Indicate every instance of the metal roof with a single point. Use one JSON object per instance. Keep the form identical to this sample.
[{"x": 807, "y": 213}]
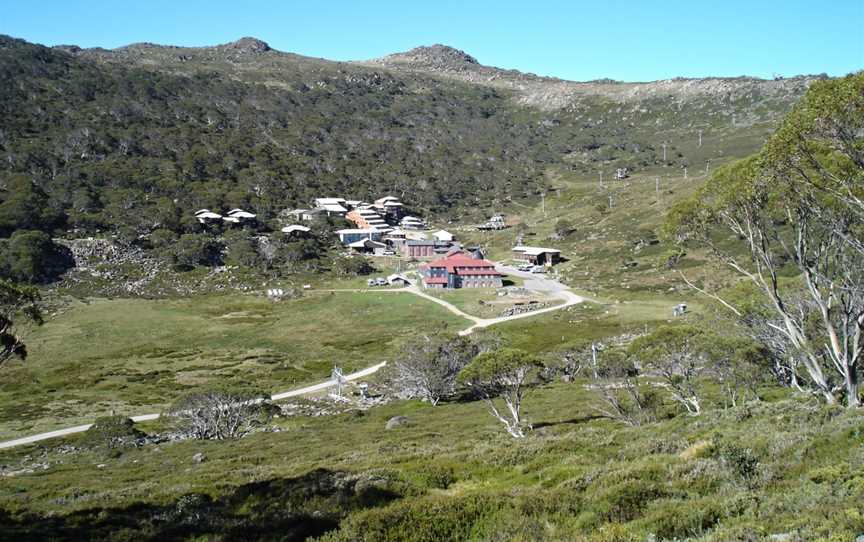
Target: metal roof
[{"x": 535, "y": 251}]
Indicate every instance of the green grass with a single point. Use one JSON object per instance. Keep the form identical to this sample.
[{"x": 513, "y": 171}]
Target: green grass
[
  {"x": 485, "y": 302},
  {"x": 135, "y": 356},
  {"x": 453, "y": 470},
  {"x": 612, "y": 252}
]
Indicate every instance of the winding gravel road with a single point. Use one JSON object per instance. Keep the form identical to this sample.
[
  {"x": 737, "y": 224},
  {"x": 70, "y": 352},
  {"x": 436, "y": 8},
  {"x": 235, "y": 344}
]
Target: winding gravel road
[{"x": 537, "y": 283}]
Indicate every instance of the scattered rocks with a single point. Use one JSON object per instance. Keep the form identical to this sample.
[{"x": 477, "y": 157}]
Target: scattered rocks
[
  {"x": 396, "y": 421},
  {"x": 522, "y": 309},
  {"x": 199, "y": 458},
  {"x": 110, "y": 264},
  {"x": 515, "y": 291},
  {"x": 328, "y": 406}
]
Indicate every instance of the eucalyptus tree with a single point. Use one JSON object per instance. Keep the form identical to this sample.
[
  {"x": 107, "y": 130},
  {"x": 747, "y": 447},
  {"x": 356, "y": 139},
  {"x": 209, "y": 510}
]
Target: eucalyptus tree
[
  {"x": 796, "y": 208},
  {"x": 504, "y": 374},
  {"x": 677, "y": 356},
  {"x": 427, "y": 367},
  {"x": 15, "y": 302}
]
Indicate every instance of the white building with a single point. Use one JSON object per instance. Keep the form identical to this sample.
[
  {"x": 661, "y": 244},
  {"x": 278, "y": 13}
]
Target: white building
[
  {"x": 295, "y": 229},
  {"x": 442, "y": 235},
  {"x": 332, "y": 206},
  {"x": 206, "y": 215},
  {"x": 412, "y": 223},
  {"x": 241, "y": 214},
  {"x": 348, "y": 236}
]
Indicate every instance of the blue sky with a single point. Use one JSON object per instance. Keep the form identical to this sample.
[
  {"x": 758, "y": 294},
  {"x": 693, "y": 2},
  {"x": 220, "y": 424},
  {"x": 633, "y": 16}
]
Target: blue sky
[{"x": 622, "y": 39}]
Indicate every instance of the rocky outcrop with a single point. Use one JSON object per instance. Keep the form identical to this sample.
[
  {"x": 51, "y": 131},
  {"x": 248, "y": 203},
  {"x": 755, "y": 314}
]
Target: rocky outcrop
[
  {"x": 396, "y": 421},
  {"x": 435, "y": 57},
  {"x": 246, "y": 45},
  {"x": 122, "y": 270}
]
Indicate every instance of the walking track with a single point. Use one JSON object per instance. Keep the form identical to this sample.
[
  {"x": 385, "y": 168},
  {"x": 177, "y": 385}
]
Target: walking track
[{"x": 532, "y": 282}]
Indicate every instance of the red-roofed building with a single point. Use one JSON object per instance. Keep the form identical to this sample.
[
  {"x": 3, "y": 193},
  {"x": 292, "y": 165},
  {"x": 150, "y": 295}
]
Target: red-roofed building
[{"x": 459, "y": 270}]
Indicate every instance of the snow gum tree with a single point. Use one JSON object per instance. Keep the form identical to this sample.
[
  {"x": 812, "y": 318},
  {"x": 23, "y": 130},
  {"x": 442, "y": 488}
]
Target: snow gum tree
[
  {"x": 798, "y": 206},
  {"x": 502, "y": 375}
]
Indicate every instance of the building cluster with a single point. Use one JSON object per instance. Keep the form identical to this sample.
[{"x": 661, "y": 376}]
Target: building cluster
[
  {"x": 371, "y": 221},
  {"x": 383, "y": 228},
  {"x": 412, "y": 245}
]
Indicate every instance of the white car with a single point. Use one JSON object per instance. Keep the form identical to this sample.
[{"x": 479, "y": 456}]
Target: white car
[{"x": 538, "y": 269}]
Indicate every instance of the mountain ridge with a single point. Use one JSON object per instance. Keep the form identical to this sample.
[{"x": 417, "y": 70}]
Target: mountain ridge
[
  {"x": 443, "y": 61},
  {"x": 432, "y": 55}
]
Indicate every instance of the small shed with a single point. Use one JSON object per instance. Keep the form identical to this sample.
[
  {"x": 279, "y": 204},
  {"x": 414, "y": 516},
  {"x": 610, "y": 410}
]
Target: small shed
[
  {"x": 367, "y": 246},
  {"x": 537, "y": 255},
  {"x": 397, "y": 279},
  {"x": 296, "y": 230},
  {"x": 304, "y": 215}
]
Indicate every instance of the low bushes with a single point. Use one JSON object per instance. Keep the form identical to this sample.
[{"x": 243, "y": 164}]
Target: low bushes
[{"x": 112, "y": 432}]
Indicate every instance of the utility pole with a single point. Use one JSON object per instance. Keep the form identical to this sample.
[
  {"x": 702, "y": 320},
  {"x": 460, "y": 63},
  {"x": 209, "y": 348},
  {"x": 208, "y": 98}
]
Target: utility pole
[
  {"x": 657, "y": 188},
  {"x": 338, "y": 380},
  {"x": 594, "y": 350},
  {"x": 685, "y": 173},
  {"x": 610, "y": 200},
  {"x": 543, "y": 199},
  {"x": 700, "y": 138},
  {"x": 707, "y": 165},
  {"x": 601, "y": 178},
  {"x": 664, "y": 151}
]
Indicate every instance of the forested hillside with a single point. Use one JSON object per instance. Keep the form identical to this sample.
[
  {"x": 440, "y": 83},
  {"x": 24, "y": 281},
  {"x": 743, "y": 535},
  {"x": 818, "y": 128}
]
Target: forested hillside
[
  {"x": 129, "y": 143},
  {"x": 118, "y": 146}
]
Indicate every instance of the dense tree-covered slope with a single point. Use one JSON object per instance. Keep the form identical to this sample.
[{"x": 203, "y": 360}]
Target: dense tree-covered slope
[
  {"x": 141, "y": 136},
  {"x": 114, "y": 145}
]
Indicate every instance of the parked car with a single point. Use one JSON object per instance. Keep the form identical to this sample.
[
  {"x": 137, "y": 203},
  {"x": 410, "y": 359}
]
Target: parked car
[
  {"x": 381, "y": 281},
  {"x": 525, "y": 267},
  {"x": 371, "y": 282},
  {"x": 538, "y": 269}
]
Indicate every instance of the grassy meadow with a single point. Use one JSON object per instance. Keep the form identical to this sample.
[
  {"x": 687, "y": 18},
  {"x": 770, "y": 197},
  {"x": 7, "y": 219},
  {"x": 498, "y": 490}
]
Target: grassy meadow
[{"x": 134, "y": 356}]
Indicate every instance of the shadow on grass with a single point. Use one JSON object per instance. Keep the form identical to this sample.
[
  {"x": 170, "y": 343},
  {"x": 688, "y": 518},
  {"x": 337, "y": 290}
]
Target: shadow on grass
[
  {"x": 281, "y": 509},
  {"x": 574, "y": 421}
]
